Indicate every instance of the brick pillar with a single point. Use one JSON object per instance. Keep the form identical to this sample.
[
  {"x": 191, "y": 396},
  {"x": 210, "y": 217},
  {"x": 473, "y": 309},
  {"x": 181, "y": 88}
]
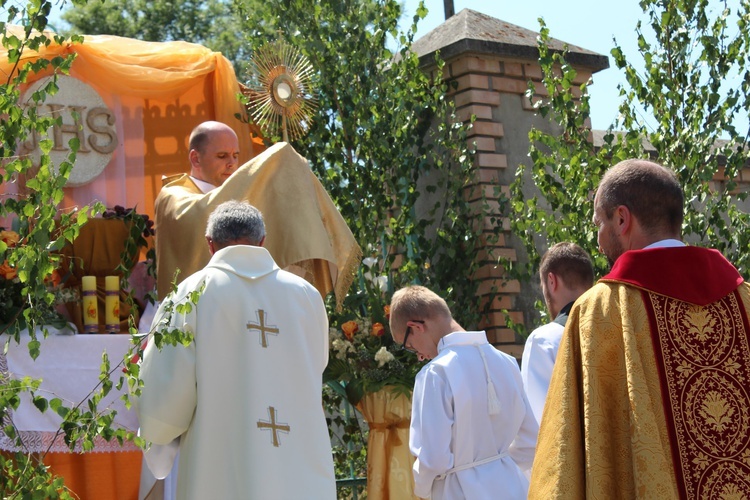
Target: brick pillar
[
  {"x": 493, "y": 89},
  {"x": 491, "y": 63}
]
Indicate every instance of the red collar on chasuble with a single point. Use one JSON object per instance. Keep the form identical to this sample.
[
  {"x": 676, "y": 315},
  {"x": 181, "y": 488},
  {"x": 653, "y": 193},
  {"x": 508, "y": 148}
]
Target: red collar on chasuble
[
  {"x": 699, "y": 332},
  {"x": 692, "y": 274}
]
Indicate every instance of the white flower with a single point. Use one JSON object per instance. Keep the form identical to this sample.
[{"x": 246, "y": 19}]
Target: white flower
[
  {"x": 362, "y": 325},
  {"x": 333, "y": 334},
  {"x": 383, "y": 356},
  {"x": 369, "y": 261},
  {"x": 381, "y": 282},
  {"x": 341, "y": 347}
]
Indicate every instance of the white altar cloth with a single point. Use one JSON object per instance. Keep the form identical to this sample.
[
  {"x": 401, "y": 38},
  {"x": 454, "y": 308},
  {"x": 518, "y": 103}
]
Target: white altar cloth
[{"x": 69, "y": 367}]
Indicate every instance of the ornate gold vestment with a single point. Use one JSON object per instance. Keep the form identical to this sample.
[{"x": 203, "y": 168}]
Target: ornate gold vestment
[
  {"x": 649, "y": 394},
  {"x": 303, "y": 227}
]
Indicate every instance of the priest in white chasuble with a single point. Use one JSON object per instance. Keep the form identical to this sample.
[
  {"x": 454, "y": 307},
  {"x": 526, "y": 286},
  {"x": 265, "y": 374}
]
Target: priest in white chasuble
[
  {"x": 245, "y": 396},
  {"x": 648, "y": 397},
  {"x": 306, "y": 233}
]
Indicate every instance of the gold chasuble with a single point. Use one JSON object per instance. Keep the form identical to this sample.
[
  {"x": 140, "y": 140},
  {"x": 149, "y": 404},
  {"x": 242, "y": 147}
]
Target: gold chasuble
[
  {"x": 650, "y": 395},
  {"x": 305, "y": 233}
]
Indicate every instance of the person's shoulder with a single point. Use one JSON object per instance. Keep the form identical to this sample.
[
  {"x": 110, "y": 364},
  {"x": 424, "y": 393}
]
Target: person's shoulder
[
  {"x": 601, "y": 291},
  {"x": 175, "y": 186},
  {"x": 545, "y": 331},
  {"x": 293, "y": 279},
  {"x": 507, "y": 358},
  {"x": 178, "y": 182},
  {"x": 193, "y": 283},
  {"x": 166, "y": 180},
  {"x": 295, "y": 283}
]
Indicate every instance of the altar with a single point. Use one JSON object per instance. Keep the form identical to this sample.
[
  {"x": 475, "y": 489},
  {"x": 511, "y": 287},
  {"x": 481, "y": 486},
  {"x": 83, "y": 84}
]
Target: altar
[
  {"x": 132, "y": 105},
  {"x": 68, "y": 365}
]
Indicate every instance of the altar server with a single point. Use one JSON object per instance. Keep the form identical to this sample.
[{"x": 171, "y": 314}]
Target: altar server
[{"x": 472, "y": 429}]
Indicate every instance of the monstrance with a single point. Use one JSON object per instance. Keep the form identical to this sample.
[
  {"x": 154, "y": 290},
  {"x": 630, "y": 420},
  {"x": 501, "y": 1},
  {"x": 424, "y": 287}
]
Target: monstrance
[{"x": 280, "y": 93}]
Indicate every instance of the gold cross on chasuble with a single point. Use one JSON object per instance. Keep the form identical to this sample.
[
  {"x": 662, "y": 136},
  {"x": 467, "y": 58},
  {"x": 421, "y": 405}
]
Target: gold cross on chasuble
[
  {"x": 264, "y": 330},
  {"x": 273, "y": 426}
]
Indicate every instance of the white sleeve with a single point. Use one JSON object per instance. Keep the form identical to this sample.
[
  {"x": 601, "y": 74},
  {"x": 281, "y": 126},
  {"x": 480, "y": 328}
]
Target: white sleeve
[
  {"x": 537, "y": 363},
  {"x": 160, "y": 458},
  {"x": 523, "y": 447},
  {"x": 430, "y": 433},
  {"x": 169, "y": 394}
]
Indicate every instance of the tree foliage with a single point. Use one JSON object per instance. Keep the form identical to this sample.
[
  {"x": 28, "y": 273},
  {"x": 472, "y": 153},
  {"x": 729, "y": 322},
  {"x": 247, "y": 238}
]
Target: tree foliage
[
  {"x": 210, "y": 23},
  {"x": 391, "y": 154},
  {"x": 43, "y": 228},
  {"x": 693, "y": 86},
  {"x": 384, "y": 141}
]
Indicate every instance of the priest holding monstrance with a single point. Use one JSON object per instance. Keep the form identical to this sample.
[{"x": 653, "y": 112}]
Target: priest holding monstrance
[{"x": 304, "y": 234}]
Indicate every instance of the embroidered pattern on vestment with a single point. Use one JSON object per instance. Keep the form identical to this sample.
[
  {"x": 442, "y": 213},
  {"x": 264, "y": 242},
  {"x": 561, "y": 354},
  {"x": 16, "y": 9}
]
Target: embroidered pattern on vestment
[
  {"x": 273, "y": 426},
  {"x": 704, "y": 365},
  {"x": 264, "y": 329}
]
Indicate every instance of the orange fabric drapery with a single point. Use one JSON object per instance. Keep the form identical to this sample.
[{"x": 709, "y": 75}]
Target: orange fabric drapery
[
  {"x": 96, "y": 476},
  {"x": 159, "y": 91},
  {"x": 389, "y": 462}
]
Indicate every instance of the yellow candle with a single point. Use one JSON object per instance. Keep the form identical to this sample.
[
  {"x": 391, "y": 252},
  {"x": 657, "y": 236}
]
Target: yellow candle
[
  {"x": 112, "y": 303},
  {"x": 90, "y": 305}
]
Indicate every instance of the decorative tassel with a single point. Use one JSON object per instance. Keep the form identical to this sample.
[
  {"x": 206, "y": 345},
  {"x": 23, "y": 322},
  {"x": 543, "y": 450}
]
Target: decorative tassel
[{"x": 493, "y": 405}]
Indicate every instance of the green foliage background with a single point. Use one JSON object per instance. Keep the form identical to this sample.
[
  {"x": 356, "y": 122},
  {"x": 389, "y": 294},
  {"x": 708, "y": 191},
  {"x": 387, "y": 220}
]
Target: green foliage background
[
  {"x": 207, "y": 22},
  {"x": 384, "y": 141},
  {"x": 681, "y": 109}
]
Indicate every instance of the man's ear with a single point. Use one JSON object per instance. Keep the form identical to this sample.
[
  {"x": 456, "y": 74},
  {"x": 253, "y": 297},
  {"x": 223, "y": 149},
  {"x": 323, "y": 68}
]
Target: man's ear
[
  {"x": 194, "y": 157},
  {"x": 262, "y": 240},
  {"x": 552, "y": 282},
  {"x": 210, "y": 245},
  {"x": 623, "y": 219}
]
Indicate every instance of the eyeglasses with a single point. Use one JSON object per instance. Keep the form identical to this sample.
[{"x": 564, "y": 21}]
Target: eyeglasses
[{"x": 406, "y": 336}]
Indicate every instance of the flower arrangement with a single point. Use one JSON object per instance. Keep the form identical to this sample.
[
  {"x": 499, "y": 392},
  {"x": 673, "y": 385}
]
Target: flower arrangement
[
  {"x": 141, "y": 227},
  {"x": 363, "y": 357},
  {"x": 11, "y": 298}
]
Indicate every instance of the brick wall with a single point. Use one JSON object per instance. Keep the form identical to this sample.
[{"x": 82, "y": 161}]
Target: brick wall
[{"x": 482, "y": 85}]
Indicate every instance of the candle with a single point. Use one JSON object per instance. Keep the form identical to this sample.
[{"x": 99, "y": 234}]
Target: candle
[
  {"x": 90, "y": 305},
  {"x": 112, "y": 303}
]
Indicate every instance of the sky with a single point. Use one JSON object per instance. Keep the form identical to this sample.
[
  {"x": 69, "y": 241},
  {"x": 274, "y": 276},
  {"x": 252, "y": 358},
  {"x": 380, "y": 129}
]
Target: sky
[{"x": 590, "y": 24}]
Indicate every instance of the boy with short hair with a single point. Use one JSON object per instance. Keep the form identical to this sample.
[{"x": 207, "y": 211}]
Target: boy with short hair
[{"x": 472, "y": 428}]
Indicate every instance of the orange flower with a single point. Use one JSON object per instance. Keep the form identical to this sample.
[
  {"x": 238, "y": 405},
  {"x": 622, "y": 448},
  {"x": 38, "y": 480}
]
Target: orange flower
[
  {"x": 387, "y": 311},
  {"x": 377, "y": 330},
  {"x": 10, "y": 238},
  {"x": 54, "y": 279},
  {"x": 350, "y": 328},
  {"x": 8, "y": 272}
]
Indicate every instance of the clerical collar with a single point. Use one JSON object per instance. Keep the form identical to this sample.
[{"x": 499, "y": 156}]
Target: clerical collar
[
  {"x": 204, "y": 186},
  {"x": 668, "y": 243},
  {"x": 562, "y": 316}
]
